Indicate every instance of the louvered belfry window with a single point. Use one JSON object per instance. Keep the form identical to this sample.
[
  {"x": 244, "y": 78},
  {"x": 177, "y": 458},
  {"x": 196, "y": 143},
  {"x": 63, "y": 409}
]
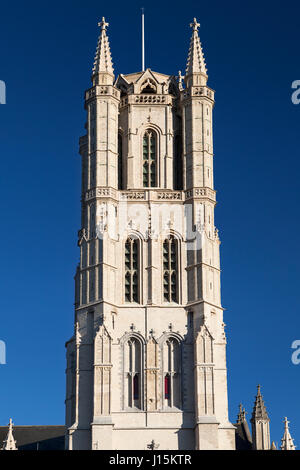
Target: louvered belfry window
[
  {"x": 149, "y": 159},
  {"x": 131, "y": 270},
  {"x": 170, "y": 266}
]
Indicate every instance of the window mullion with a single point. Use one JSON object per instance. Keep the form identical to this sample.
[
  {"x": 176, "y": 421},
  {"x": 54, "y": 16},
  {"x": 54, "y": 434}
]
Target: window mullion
[{"x": 170, "y": 270}]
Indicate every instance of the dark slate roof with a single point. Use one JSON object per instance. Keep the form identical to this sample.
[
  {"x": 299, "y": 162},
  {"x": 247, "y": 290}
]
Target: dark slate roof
[
  {"x": 36, "y": 437},
  {"x": 243, "y": 440}
]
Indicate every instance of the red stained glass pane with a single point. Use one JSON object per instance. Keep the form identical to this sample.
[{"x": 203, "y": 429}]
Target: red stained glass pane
[
  {"x": 167, "y": 386},
  {"x": 136, "y": 387}
]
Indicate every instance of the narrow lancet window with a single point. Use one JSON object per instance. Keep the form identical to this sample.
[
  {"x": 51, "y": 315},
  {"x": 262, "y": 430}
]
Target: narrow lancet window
[
  {"x": 136, "y": 394},
  {"x": 133, "y": 373},
  {"x": 167, "y": 386},
  {"x": 132, "y": 270},
  {"x": 120, "y": 162},
  {"x": 172, "y": 368},
  {"x": 170, "y": 269},
  {"x": 177, "y": 167},
  {"x": 149, "y": 159}
]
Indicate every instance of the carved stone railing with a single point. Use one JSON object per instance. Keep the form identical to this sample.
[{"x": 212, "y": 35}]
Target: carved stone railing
[
  {"x": 133, "y": 195},
  {"x": 99, "y": 90},
  {"x": 200, "y": 193},
  {"x": 149, "y": 194},
  {"x": 100, "y": 192},
  {"x": 151, "y": 98},
  {"x": 170, "y": 195},
  {"x": 198, "y": 91}
]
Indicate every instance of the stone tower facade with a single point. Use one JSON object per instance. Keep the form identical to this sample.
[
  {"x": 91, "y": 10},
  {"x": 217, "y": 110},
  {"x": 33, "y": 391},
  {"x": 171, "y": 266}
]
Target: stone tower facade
[{"x": 146, "y": 367}]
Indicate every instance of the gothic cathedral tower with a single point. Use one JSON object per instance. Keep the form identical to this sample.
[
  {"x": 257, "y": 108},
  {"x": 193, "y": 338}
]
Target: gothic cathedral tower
[{"x": 146, "y": 367}]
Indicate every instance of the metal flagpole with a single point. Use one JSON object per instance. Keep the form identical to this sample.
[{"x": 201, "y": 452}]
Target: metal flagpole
[{"x": 143, "y": 40}]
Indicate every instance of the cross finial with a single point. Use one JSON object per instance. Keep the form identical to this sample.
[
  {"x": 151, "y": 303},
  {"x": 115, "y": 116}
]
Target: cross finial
[
  {"x": 286, "y": 423},
  {"x": 195, "y": 25},
  {"x": 103, "y": 25}
]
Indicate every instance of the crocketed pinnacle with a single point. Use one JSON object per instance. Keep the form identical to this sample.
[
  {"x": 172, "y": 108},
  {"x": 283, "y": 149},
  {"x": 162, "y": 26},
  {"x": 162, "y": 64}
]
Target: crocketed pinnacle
[
  {"x": 103, "y": 60},
  {"x": 287, "y": 443},
  {"x": 196, "y": 61},
  {"x": 259, "y": 410},
  {"x": 10, "y": 443},
  {"x": 241, "y": 417}
]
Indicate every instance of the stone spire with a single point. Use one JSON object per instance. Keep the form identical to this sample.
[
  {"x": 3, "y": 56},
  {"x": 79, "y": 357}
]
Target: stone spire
[
  {"x": 103, "y": 62},
  {"x": 287, "y": 443},
  {"x": 259, "y": 409},
  {"x": 195, "y": 61},
  {"x": 10, "y": 443}
]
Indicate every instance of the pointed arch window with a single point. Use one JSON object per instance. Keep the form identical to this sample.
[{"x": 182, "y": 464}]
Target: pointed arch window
[
  {"x": 170, "y": 269},
  {"x": 172, "y": 373},
  {"x": 132, "y": 270},
  {"x": 120, "y": 162},
  {"x": 149, "y": 159},
  {"x": 133, "y": 373}
]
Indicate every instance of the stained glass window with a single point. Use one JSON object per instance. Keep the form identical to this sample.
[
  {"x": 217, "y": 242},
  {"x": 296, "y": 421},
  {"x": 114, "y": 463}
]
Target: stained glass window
[{"x": 149, "y": 159}]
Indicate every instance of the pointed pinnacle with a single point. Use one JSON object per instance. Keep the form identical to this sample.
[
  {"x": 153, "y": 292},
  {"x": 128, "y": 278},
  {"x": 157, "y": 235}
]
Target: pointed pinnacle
[
  {"x": 259, "y": 409},
  {"x": 103, "y": 60},
  {"x": 241, "y": 415},
  {"x": 10, "y": 443},
  {"x": 196, "y": 61},
  {"x": 287, "y": 442}
]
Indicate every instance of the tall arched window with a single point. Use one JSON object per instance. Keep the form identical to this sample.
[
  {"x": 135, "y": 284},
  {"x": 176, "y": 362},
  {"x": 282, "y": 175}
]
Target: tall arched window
[
  {"x": 170, "y": 270},
  {"x": 133, "y": 373},
  {"x": 149, "y": 159},
  {"x": 120, "y": 162},
  {"x": 172, "y": 373},
  {"x": 132, "y": 270}
]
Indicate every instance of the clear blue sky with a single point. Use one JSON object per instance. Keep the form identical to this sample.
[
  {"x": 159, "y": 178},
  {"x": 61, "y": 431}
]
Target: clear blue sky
[{"x": 252, "y": 54}]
